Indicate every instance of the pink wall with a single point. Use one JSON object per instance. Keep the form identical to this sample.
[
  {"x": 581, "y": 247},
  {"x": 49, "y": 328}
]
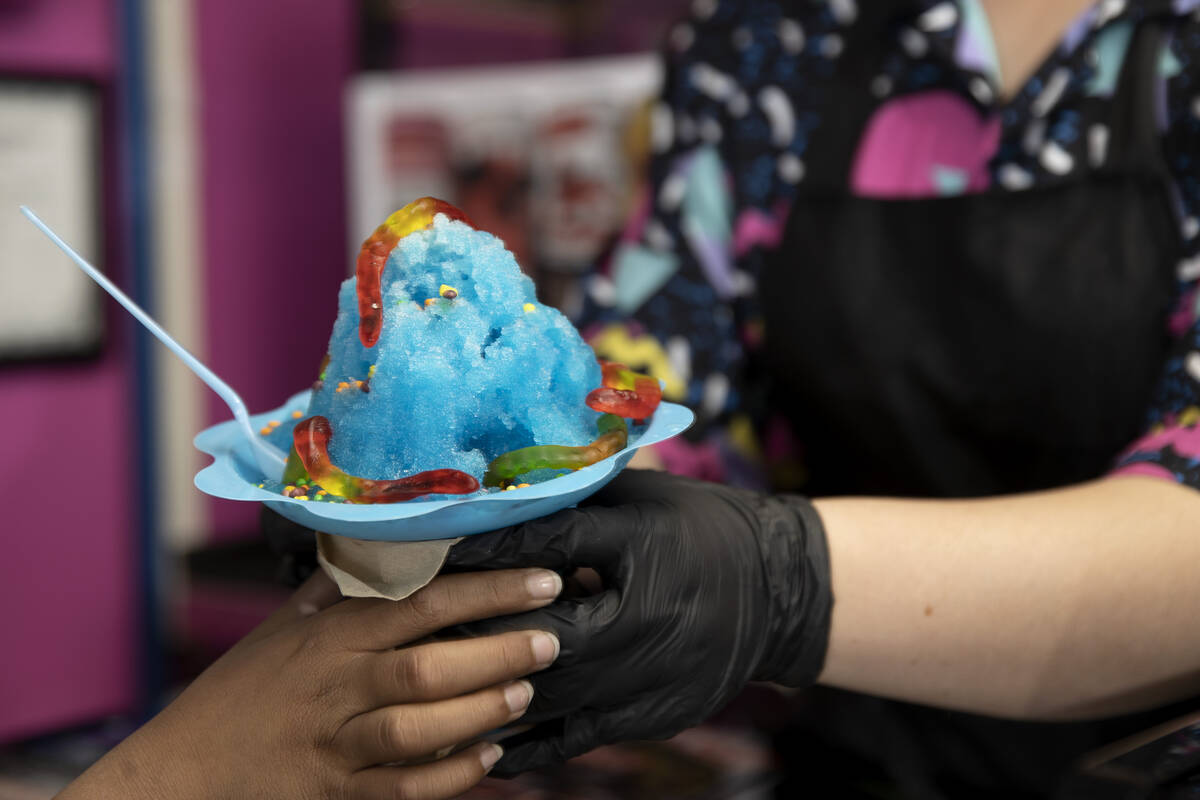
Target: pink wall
[
  {"x": 67, "y": 580},
  {"x": 67, "y": 576},
  {"x": 59, "y": 37},
  {"x": 271, "y": 81}
]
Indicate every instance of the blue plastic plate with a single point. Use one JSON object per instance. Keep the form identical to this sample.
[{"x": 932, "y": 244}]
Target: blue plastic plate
[{"x": 233, "y": 475}]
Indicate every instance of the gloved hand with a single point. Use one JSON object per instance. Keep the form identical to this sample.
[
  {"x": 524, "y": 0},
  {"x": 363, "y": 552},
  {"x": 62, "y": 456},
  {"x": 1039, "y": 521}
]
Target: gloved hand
[{"x": 705, "y": 588}]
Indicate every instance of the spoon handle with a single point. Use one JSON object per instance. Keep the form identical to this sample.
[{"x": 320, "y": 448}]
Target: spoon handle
[{"x": 263, "y": 450}]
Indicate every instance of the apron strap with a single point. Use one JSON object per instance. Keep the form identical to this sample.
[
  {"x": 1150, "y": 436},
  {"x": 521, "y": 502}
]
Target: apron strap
[{"x": 1135, "y": 141}]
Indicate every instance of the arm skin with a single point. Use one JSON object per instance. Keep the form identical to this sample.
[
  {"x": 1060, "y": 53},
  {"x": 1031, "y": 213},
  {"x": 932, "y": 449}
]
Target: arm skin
[{"x": 1068, "y": 604}]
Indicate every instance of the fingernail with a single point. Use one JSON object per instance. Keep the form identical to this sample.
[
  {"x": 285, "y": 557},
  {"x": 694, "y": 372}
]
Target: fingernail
[
  {"x": 517, "y": 696},
  {"x": 543, "y": 584},
  {"x": 545, "y": 648},
  {"x": 490, "y": 755}
]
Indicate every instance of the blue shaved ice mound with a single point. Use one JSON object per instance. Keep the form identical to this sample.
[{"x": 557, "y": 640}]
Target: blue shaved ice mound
[{"x": 458, "y": 382}]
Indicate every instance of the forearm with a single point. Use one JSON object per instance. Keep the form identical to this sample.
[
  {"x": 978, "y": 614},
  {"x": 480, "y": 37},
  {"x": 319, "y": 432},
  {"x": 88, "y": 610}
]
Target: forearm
[
  {"x": 151, "y": 763},
  {"x": 1056, "y": 605}
]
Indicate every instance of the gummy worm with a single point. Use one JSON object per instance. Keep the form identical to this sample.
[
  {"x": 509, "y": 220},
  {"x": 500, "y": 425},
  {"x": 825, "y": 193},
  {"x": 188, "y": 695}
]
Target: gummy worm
[
  {"x": 612, "y": 439},
  {"x": 625, "y": 393},
  {"x": 311, "y": 440},
  {"x": 372, "y": 258}
]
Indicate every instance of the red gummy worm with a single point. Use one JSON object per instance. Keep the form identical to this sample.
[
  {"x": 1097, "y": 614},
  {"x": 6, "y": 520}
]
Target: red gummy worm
[
  {"x": 433, "y": 481},
  {"x": 625, "y": 393},
  {"x": 368, "y": 270},
  {"x": 311, "y": 438},
  {"x": 372, "y": 258}
]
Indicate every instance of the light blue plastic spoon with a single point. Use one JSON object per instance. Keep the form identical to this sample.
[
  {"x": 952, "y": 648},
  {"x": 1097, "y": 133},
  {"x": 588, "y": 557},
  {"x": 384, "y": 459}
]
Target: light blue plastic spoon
[{"x": 270, "y": 459}]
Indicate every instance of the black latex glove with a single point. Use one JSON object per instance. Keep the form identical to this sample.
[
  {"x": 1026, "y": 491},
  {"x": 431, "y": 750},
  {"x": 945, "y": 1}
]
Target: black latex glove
[
  {"x": 295, "y": 545},
  {"x": 705, "y": 588}
]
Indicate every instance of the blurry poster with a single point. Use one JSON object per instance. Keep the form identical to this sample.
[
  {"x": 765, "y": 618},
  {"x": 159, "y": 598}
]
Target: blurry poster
[
  {"x": 547, "y": 156},
  {"x": 49, "y": 150}
]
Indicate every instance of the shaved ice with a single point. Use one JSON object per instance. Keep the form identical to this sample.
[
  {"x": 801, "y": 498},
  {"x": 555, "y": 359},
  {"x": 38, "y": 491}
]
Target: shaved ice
[{"x": 468, "y": 364}]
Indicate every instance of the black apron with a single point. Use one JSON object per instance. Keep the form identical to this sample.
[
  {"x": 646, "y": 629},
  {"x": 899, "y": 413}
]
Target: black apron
[
  {"x": 968, "y": 346},
  {"x": 980, "y": 344}
]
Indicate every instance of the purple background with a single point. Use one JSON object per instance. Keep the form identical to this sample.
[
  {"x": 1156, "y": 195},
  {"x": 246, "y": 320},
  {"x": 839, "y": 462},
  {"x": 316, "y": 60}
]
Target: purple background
[{"x": 67, "y": 573}]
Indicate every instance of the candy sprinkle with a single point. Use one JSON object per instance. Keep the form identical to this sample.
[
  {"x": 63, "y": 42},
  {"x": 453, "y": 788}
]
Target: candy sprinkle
[
  {"x": 529, "y": 307},
  {"x": 297, "y": 414},
  {"x": 522, "y": 485},
  {"x": 265, "y": 430},
  {"x": 509, "y": 488}
]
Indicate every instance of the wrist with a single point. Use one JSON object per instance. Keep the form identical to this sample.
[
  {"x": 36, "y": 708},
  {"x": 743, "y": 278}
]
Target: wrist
[{"x": 799, "y": 587}]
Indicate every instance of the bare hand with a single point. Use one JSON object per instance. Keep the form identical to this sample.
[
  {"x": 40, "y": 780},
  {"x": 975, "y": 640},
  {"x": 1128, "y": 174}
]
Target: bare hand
[{"x": 317, "y": 702}]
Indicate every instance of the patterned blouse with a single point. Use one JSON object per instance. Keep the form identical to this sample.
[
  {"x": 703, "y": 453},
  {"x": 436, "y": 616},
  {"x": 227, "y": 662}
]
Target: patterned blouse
[{"x": 730, "y": 141}]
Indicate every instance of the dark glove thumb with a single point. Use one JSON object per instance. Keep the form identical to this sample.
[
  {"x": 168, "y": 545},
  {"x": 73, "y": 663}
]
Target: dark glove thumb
[{"x": 588, "y": 537}]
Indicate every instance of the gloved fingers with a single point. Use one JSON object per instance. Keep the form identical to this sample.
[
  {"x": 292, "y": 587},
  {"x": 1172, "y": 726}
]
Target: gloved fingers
[
  {"x": 584, "y": 627},
  {"x": 583, "y": 582},
  {"x": 283, "y": 534},
  {"x": 593, "y": 537},
  {"x": 575, "y": 734},
  {"x": 294, "y": 544},
  {"x": 598, "y": 683}
]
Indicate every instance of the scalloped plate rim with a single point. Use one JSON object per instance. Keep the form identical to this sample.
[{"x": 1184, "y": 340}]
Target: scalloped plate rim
[{"x": 422, "y": 519}]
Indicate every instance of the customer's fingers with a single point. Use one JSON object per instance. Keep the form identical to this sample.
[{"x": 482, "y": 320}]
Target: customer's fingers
[
  {"x": 439, "y": 670},
  {"x": 370, "y": 624},
  {"x": 315, "y": 594},
  {"x": 412, "y": 731},
  {"x": 448, "y": 777}
]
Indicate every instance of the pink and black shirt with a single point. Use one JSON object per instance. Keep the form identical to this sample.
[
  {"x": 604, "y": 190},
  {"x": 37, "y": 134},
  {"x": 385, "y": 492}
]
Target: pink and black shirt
[{"x": 816, "y": 162}]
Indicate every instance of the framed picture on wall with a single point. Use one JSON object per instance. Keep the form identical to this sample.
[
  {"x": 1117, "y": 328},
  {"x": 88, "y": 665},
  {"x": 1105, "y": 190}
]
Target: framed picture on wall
[{"x": 50, "y": 155}]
